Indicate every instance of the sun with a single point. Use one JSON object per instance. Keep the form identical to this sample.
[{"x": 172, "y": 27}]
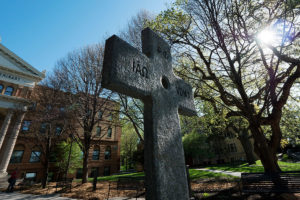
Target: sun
[{"x": 267, "y": 36}]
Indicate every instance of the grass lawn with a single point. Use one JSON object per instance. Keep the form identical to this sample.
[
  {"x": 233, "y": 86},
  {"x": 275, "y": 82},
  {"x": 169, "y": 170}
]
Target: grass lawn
[
  {"x": 197, "y": 174},
  {"x": 285, "y": 166},
  {"x": 194, "y": 174}
]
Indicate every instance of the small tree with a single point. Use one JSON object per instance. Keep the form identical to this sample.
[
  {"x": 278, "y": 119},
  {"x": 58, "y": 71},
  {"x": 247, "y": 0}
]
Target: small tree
[
  {"x": 129, "y": 145},
  {"x": 68, "y": 156},
  {"x": 195, "y": 146}
]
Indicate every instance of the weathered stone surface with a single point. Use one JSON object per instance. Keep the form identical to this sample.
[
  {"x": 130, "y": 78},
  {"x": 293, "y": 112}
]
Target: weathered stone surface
[{"x": 149, "y": 76}]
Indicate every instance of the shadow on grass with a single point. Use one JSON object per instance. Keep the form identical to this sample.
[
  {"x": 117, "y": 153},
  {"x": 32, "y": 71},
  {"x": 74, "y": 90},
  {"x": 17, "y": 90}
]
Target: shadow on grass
[
  {"x": 244, "y": 167},
  {"x": 234, "y": 194}
]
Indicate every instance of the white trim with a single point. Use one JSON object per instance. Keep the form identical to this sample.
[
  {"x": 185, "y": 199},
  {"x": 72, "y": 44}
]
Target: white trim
[{"x": 32, "y": 72}]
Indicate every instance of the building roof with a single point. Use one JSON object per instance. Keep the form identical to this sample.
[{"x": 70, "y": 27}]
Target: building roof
[{"x": 22, "y": 67}]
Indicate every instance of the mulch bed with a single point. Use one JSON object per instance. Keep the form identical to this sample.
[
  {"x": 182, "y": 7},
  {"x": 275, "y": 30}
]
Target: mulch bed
[{"x": 209, "y": 189}]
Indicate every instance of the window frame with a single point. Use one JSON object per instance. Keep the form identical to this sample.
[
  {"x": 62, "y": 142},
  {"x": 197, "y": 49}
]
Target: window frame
[
  {"x": 1, "y": 89},
  {"x": 109, "y": 135},
  {"x": 33, "y": 152},
  {"x": 12, "y": 92},
  {"x": 61, "y": 129},
  {"x": 26, "y": 125},
  {"x": 98, "y": 129},
  {"x": 19, "y": 159},
  {"x": 106, "y": 155},
  {"x": 96, "y": 156}
]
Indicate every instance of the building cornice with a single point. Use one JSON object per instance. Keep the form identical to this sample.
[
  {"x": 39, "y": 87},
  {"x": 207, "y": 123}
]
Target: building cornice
[{"x": 35, "y": 74}]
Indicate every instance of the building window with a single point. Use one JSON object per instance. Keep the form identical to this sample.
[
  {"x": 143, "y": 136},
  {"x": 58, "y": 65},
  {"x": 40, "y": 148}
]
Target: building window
[
  {"x": 48, "y": 107},
  {"x": 1, "y": 88},
  {"x": 110, "y": 117},
  {"x": 30, "y": 175},
  {"x": 26, "y": 125},
  {"x": 43, "y": 127},
  {"x": 96, "y": 153},
  {"x": 109, "y": 131},
  {"x": 98, "y": 131},
  {"x": 107, "y": 154},
  {"x": 94, "y": 171},
  {"x": 106, "y": 171},
  {"x": 16, "y": 156},
  {"x": 9, "y": 91},
  {"x": 100, "y": 114},
  {"x": 35, "y": 156},
  {"x": 58, "y": 130}
]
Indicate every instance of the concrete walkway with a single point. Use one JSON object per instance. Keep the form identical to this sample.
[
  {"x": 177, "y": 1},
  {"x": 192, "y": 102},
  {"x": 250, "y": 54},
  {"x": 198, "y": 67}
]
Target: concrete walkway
[
  {"x": 236, "y": 174},
  {"x": 19, "y": 196}
]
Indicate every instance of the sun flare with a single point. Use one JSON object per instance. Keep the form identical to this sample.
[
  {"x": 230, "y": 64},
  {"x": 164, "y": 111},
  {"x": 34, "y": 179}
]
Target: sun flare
[{"x": 267, "y": 36}]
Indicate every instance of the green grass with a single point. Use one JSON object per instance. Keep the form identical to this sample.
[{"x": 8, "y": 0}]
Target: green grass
[
  {"x": 285, "y": 166},
  {"x": 198, "y": 174},
  {"x": 194, "y": 174},
  {"x": 115, "y": 177}
]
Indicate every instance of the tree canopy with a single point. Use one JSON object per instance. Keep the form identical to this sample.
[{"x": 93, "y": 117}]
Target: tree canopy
[{"x": 222, "y": 48}]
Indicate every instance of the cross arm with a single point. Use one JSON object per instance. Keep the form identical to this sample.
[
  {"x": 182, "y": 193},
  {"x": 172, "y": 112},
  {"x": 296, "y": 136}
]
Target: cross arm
[
  {"x": 125, "y": 69},
  {"x": 185, "y": 97}
]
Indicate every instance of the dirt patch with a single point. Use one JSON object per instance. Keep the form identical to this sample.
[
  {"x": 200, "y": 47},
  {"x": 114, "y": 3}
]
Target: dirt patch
[
  {"x": 81, "y": 191},
  {"x": 202, "y": 189}
]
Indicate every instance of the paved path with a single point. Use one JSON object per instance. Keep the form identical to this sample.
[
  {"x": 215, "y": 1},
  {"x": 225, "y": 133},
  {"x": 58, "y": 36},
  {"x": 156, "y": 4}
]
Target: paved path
[
  {"x": 237, "y": 174},
  {"x": 19, "y": 196}
]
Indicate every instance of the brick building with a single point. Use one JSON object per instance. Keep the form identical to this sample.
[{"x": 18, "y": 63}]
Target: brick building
[{"x": 18, "y": 142}]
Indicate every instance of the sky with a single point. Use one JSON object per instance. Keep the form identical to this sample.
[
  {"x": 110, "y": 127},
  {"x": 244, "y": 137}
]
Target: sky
[{"x": 44, "y": 31}]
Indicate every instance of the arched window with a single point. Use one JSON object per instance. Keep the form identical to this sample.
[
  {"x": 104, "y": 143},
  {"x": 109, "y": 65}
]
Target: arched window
[
  {"x": 96, "y": 153},
  {"x": 17, "y": 154},
  {"x": 107, "y": 153},
  {"x": 9, "y": 91},
  {"x": 1, "y": 88}
]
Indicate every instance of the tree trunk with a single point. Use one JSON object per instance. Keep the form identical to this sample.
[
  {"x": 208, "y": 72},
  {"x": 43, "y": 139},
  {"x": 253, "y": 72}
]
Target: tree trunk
[
  {"x": 45, "y": 176},
  {"x": 266, "y": 154},
  {"x": 85, "y": 167},
  {"x": 46, "y": 163},
  {"x": 247, "y": 145}
]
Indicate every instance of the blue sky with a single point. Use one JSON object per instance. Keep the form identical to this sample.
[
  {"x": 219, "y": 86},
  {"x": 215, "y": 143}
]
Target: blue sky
[{"x": 43, "y": 31}]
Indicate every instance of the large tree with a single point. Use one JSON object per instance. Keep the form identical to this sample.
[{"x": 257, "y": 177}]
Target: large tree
[
  {"x": 224, "y": 53},
  {"x": 49, "y": 121},
  {"x": 80, "y": 75}
]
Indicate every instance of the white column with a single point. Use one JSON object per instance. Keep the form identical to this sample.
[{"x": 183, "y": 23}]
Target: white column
[
  {"x": 11, "y": 143},
  {"x": 5, "y": 126}
]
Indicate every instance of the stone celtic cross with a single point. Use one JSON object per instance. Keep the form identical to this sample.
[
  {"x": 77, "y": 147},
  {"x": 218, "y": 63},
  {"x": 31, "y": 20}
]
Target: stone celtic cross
[{"x": 149, "y": 77}]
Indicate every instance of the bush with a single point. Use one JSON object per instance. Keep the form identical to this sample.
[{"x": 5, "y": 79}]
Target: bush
[{"x": 285, "y": 157}]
